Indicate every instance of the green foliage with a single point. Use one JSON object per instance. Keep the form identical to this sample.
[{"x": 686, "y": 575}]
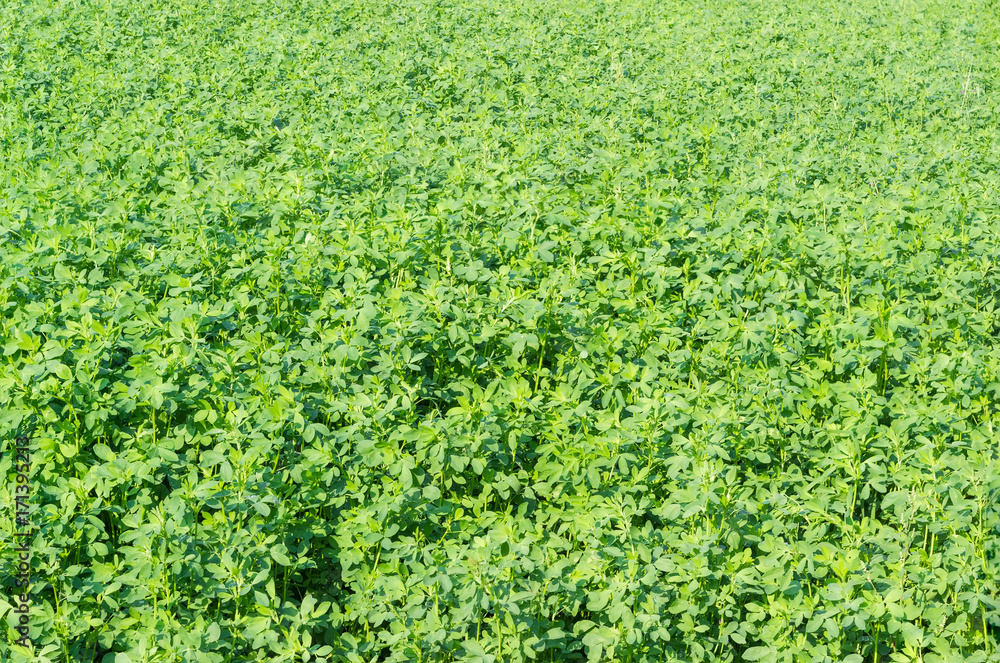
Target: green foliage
[{"x": 439, "y": 330}]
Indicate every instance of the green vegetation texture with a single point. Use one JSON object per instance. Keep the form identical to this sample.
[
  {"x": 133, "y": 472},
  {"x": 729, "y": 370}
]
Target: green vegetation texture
[{"x": 502, "y": 331}]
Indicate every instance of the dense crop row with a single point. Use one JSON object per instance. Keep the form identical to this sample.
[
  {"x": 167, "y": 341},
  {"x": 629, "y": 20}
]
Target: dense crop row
[{"x": 481, "y": 331}]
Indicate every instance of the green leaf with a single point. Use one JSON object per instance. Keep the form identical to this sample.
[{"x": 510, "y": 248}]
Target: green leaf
[
  {"x": 278, "y": 554},
  {"x": 913, "y": 635},
  {"x": 103, "y": 452},
  {"x": 757, "y": 653}
]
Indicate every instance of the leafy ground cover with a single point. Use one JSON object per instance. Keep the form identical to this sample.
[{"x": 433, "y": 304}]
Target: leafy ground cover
[{"x": 501, "y": 331}]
